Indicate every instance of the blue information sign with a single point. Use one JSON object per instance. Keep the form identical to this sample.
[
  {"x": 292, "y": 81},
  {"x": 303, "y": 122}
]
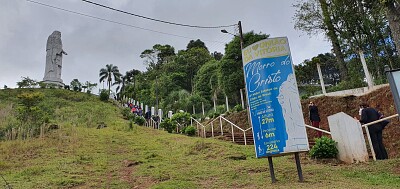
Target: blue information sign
[{"x": 275, "y": 109}]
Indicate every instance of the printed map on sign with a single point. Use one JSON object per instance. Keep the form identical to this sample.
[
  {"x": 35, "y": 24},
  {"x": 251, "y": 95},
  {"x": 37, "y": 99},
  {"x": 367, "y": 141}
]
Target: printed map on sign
[{"x": 275, "y": 110}]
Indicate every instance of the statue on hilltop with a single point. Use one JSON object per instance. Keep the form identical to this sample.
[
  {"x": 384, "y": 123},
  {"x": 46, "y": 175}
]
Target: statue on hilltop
[{"x": 54, "y": 53}]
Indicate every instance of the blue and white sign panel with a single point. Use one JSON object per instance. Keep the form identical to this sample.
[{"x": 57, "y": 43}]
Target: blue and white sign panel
[{"x": 275, "y": 109}]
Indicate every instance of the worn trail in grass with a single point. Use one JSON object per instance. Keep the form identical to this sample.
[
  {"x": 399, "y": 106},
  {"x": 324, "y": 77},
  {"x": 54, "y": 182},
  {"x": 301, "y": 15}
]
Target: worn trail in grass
[{"x": 77, "y": 157}]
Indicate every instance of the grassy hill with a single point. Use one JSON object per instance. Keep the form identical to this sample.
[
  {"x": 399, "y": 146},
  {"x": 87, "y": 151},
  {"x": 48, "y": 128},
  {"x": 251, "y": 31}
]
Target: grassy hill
[{"x": 80, "y": 156}]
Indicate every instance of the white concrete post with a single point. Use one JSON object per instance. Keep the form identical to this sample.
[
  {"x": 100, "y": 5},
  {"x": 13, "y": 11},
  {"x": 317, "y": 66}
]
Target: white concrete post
[
  {"x": 169, "y": 114},
  {"x": 146, "y": 108},
  {"x": 160, "y": 113},
  {"x": 153, "y": 111},
  {"x": 241, "y": 97},
  {"x": 202, "y": 107},
  {"x": 227, "y": 104},
  {"x": 215, "y": 105},
  {"x": 194, "y": 110},
  {"x": 365, "y": 68},
  {"x": 321, "y": 79}
]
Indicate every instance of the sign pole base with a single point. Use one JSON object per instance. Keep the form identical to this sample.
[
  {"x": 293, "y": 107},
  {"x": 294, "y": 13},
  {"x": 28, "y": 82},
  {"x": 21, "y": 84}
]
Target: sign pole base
[
  {"x": 299, "y": 171},
  {"x": 271, "y": 169}
]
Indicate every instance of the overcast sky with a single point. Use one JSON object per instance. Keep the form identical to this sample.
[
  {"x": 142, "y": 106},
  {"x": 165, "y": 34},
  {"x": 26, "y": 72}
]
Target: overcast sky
[{"x": 92, "y": 43}]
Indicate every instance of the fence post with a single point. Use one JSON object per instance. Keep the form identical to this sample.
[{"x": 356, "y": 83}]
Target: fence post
[
  {"x": 227, "y": 103},
  {"x": 233, "y": 134},
  {"x": 202, "y": 107},
  {"x": 245, "y": 140},
  {"x": 220, "y": 123},
  {"x": 241, "y": 97},
  {"x": 212, "y": 129},
  {"x": 12, "y": 133},
  {"x": 41, "y": 131},
  {"x": 198, "y": 131},
  {"x": 19, "y": 133}
]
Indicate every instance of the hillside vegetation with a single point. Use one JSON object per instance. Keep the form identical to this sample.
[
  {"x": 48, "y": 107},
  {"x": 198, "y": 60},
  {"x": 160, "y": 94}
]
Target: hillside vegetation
[{"x": 80, "y": 156}]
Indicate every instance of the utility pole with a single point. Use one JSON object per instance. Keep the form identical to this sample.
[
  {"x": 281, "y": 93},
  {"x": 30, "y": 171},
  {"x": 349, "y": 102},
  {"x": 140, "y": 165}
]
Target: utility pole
[
  {"x": 241, "y": 34},
  {"x": 156, "y": 96}
]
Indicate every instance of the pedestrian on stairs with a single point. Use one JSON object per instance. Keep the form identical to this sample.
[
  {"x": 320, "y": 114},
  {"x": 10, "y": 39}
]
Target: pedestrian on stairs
[{"x": 314, "y": 117}]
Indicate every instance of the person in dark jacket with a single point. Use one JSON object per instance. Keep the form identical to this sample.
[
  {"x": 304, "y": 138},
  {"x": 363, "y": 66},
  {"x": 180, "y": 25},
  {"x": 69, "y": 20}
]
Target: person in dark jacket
[
  {"x": 314, "y": 117},
  {"x": 369, "y": 115}
]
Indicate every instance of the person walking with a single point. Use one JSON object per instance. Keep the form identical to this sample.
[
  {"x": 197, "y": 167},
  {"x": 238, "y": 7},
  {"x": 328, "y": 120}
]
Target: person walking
[
  {"x": 314, "y": 117},
  {"x": 369, "y": 115}
]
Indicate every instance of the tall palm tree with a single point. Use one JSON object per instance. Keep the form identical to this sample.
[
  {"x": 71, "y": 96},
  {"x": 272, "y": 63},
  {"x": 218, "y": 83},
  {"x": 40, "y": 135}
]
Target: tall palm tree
[
  {"x": 131, "y": 77},
  {"x": 109, "y": 73}
]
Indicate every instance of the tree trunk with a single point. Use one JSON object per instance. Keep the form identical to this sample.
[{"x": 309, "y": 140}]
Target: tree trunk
[
  {"x": 393, "y": 16},
  {"x": 109, "y": 88},
  {"x": 134, "y": 88},
  {"x": 334, "y": 39}
]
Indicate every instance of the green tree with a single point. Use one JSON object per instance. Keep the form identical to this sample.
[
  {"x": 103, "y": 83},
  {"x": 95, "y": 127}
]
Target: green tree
[
  {"x": 76, "y": 85},
  {"x": 27, "y": 82},
  {"x": 29, "y": 112},
  {"x": 157, "y": 56},
  {"x": 307, "y": 73},
  {"x": 89, "y": 86},
  {"x": 189, "y": 62},
  {"x": 231, "y": 70},
  {"x": 217, "y": 55},
  {"x": 393, "y": 16},
  {"x": 110, "y": 73},
  {"x": 313, "y": 17},
  {"x": 131, "y": 79},
  {"x": 196, "y": 44}
]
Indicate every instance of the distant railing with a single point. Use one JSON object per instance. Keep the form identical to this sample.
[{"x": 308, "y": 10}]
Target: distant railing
[
  {"x": 211, "y": 124},
  {"x": 152, "y": 123}
]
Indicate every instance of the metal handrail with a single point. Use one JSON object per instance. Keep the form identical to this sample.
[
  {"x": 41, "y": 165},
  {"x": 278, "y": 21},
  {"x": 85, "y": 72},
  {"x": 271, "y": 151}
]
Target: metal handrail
[
  {"x": 318, "y": 129},
  {"x": 379, "y": 120},
  {"x": 233, "y": 124},
  {"x": 220, "y": 118}
]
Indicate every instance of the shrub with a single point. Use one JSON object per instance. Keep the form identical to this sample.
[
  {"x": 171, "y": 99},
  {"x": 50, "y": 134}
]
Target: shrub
[
  {"x": 213, "y": 115},
  {"x": 29, "y": 111},
  {"x": 221, "y": 109},
  {"x": 139, "y": 120},
  {"x": 168, "y": 125},
  {"x": 190, "y": 131},
  {"x": 104, "y": 95},
  {"x": 183, "y": 118},
  {"x": 324, "y": 148},
  {"x": 126, "y": 112},
  {"x": 237, "y": 108}
]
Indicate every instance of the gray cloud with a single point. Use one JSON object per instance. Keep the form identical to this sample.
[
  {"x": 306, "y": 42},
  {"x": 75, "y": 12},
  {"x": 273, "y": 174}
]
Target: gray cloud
[{"x": 91, "y": 43}]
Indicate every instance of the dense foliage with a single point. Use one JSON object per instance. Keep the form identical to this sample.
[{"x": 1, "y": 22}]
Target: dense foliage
[
  {"x": 193, "y": 78},
  {"x": 356, "y": 29}
]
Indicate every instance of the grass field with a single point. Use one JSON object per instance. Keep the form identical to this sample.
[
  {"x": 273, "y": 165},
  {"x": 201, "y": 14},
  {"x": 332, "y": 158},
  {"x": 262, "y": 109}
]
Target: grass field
[{"x": 80, "y": 156}]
